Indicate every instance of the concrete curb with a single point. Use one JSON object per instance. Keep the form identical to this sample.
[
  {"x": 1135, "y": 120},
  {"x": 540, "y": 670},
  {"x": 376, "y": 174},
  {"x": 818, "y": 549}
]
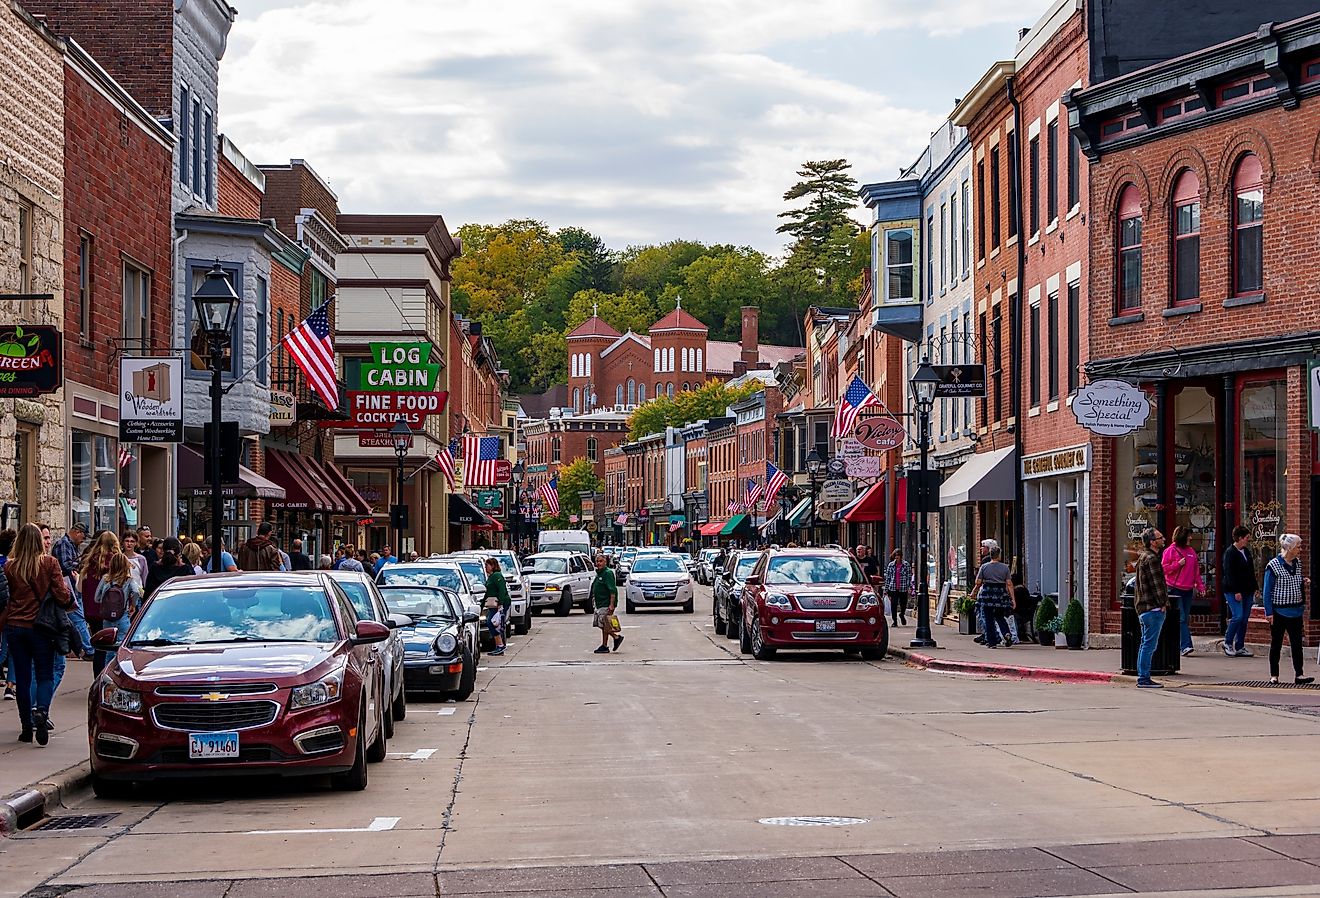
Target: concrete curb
[
  {"x": 1012, "y": 671},
  {"x": 26, "y": 806}
]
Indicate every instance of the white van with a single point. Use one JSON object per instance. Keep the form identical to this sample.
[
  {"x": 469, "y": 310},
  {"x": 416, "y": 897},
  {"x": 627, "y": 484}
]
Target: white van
[{"x": 564, "y": 541}]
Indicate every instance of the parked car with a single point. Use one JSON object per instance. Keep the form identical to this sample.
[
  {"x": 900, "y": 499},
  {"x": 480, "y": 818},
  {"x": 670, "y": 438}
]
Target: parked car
[
  {"x": 729, "y": 589},
  {"x": 559, "y": 580},
  {"x": 706, "y": 566},
  {"x": 659, "y": 579},
  {"x": 625, "y": 564},
  {"x": 811, "y": 599},
  {"x": 440, "y": 657},
  {"x": 433, "y": 572},
  {"x": 370, "y": 605},
  {"x": 520, "y": 610},
  {"x": 230, "y": 674}
]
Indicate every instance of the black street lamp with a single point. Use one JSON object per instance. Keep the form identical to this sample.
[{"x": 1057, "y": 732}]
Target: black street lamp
[
  {"x": 815, "y": 464},
  {"x": 400, "y": 436},
  {"x": 516, "y": 478},
  {"x": 923, "y": 385},
  {"x": 215, "y": 304}
]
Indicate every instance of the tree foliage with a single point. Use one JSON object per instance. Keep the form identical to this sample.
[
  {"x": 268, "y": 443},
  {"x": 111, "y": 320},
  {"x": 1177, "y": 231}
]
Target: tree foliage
[
  {"x": 710, "y": 400},
  {"x": 577, "y": 477}
]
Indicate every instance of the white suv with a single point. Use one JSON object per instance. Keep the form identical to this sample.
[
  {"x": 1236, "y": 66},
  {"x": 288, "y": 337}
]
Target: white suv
[
  {"x": 559, "y": 580},
  {"x": 520, "y": 611}
]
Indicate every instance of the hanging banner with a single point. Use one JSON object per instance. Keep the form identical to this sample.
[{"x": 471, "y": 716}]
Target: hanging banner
[
  {"x": 150, "y": 400},
  {"x": 30, "y": 360},
  {"x": 1111, "y": 408}
]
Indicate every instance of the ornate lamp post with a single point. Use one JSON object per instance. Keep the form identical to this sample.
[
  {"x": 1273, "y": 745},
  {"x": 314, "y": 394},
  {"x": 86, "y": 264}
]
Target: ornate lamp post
[
  {"x": 400, "y": 436},
  {"x": 923, "y": 385},
  {"x": 215, "y": 304},
  {"x": 815, "y": 464},
  {"x": 516, "y": 478}
]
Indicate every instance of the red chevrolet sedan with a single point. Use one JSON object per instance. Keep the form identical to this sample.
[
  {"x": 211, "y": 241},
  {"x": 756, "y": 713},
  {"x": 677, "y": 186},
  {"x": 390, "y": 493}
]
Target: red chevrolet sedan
[
  {"x": 811, "y": 599},
  {"x": 235, "y": 674}
]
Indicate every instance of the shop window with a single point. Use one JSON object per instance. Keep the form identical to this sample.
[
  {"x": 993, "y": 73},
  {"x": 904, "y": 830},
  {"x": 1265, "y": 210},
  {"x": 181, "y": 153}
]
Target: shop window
[
  {"x": 1037, "y": 343},
  {"x": 1264, "y": 465},
  {"x": 93, "y": 480},
  {"x": 1136, "y": 493},
  {"x": 1248, "y": 226},
  {"x": 26, "y": 212},
  {"x": 1129, "y": 249},
  {"x": 1187, "y": 239},
  {"x": 1194, "y": 465}
]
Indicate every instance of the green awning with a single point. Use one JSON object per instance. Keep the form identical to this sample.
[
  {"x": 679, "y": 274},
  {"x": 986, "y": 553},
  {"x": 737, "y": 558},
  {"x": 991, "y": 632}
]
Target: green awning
[
  {"x": 799, "y": 514},
  {"x": 734, "y": 523}
]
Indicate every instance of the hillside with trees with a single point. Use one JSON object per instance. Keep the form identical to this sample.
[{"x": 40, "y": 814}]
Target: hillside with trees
[{"x": 529, "y": 285}]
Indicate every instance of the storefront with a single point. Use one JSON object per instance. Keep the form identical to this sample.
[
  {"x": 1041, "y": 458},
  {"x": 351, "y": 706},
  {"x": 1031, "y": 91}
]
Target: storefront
[
  {"x": 194, "y": 503},
  {"x": 318, "y": 501},
  {"x": 976, "y": 503},
  {"x": 1056, "y": 486}
]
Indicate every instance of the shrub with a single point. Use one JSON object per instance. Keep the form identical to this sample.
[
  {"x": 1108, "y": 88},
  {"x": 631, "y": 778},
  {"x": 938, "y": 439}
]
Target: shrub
[
  {"x": 1046, "y": 614},
  {"x": 1074, "y": 619},
  {"x": 964, "y": 606}
]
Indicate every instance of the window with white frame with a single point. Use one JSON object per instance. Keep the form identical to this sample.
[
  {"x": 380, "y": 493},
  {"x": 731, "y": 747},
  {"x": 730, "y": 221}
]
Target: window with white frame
[
  {"x": 899, "y": 270},
  {"x": 137, "y": 308}
]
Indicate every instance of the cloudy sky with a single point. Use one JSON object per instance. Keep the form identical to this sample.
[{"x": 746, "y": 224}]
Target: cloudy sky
[{"x": 642, "y": 120}]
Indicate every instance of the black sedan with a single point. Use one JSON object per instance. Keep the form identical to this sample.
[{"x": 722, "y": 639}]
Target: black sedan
[{"x": 437, "y": 658}]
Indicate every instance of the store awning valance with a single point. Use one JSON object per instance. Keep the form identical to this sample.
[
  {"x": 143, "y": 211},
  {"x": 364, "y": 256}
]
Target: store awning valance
[
  {"x": 193, "y": 480},
  {"x": 799, "y": 514},
  {"x": 733, "y": 524},
  {"x": 356, "y": 504},
  {"x": 985, "y": 477},
  {"x": 463, "y": 513},
  {"x": 494, "y": 526},
  {"x": 712, "y": 528},
  {"x": 305, "y": 485},
  {"x": 867, "y": 508}
]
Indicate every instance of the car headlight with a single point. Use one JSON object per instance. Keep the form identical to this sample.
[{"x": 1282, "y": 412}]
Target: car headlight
[
  {"x": 116, "y": 699},
  {"x": 445, "y": 644},
  {"x": 322, "y": 692},
  {"x": 778, "y": 600},
  {"x": 867, "y": 600}
]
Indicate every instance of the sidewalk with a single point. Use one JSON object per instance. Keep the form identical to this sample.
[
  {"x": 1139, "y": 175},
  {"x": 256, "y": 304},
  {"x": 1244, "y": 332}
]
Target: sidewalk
[
  {"x": 32, "y": 776},
  {"x": 960, "y": 654}
]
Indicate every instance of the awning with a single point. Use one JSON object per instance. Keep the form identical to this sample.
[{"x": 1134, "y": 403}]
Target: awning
[
  {"x": 798, "y": 515},
  {"x": 463, "y": 513},
  {"x": 867, "y": 508},
  {"x": 193, "y": 480},
  {"x": 712, "y": 528},
  {"x": 985, "y": 477},
  {"x": 733, "y": 524},
  {"x": 305, "y": 484},
  {"x": 494, "y": 526},
  {"x": 769, "y": 522},
  {"x": 356, "y": 504}
]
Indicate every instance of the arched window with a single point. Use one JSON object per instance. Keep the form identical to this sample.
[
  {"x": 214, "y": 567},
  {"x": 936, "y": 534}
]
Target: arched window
[
  {"x": 587, "y": 359},
  {"x": 686, "y": 360},
  {"x": 1129, "y": 249},
  {"x": 577, "y": 400},
  {"x": 1248, "y": 226},
  {"x": 591, "y": 449},
  {"x": 632, "y": 391},
  {"x": 685, "y": 386},
  {"x": 670, "y": 386},
  {"x": 671, "y": 358},
  {"x": 1187, "y": 238},
  {"x": 697, "y": 366},
  {"x": 618, "y": 395},
  {"x": 572, "y": 365},
  {"x": 641, "y": 392},
  {"x": 657, "y": 360}
]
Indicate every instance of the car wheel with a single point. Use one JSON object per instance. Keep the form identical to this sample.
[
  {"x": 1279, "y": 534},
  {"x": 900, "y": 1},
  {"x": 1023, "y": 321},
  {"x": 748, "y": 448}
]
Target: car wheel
[
  {"x": 852, "y": 652},
  {"x": 734, "y": 624},
  {"x": 400, "y": 708},
  {"x": 689, "y": 606},
  {"x": 629, "y": 606},
  {"x": 377, "y": 749},
  {"x": 744, "y": 638},
  {"x": 760, "y": 651},
  {"x": 109, "y": 790},
  {"x": 720, "y": 626},
  {"x": 389, "y": 720},
  {"x": 467, "y": 680},
  {"x": 565, "y": 606},
  {"x": 877, "y": 652},
  {"x": 355, "y": 778}
]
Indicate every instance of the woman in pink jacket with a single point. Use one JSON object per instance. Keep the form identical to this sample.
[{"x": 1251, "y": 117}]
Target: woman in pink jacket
[{"x": 1182, "y": 572}]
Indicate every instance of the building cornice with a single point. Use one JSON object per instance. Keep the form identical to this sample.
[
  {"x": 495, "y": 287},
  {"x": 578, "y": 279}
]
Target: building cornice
[{"x": 985, "y": 90}]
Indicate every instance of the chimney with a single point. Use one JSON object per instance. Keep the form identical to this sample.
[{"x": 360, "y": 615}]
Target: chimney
[{"x": 751, "y": 340}]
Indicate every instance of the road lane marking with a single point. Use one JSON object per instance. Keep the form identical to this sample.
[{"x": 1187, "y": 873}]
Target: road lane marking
[
  {"x": 378, "y": 825},
  {"x": 443, "y": 712},
  {"x": 420, "y": 755}
]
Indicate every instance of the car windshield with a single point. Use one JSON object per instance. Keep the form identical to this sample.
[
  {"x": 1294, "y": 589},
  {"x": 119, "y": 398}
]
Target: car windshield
[
  {"x": 744, "y": 567},
  {"x": 419, "y": 604},
  {"x": 508, "y": 565},
  {"x": 360, "y": 595},
  {"x": 629, "y": 554},
  {"x": 430, "y": 575},
  {"x": 549, "y": 565},
  {"x": 813, "y": 569},
  {"x": 475, "y": 570},
  {"x": 653, "y": 564},
  {"x": 237, "y": 614}
]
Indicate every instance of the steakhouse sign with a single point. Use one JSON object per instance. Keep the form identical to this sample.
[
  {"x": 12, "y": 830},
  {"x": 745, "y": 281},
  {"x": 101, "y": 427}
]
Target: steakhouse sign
[{"x": 1111, "y": 408}]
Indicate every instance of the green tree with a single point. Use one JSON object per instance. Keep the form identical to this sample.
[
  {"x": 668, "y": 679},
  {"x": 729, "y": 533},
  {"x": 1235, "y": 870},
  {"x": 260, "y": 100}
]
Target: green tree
[
  {"x": 650, "y": 269},
  {"x": 579, "y": 476},
  {"x": 710, "y": 400},
  {"x": 596, "y": 261},
  {"x": 830, "y": 192},
  {"x": 716, "y": 286}
]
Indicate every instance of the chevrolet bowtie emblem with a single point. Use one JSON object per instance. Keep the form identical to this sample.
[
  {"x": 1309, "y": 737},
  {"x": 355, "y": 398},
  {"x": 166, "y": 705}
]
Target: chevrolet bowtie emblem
[{"x": 215, "y": 696}]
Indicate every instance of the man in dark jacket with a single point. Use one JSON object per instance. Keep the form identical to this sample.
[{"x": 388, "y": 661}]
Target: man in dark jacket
[
  {"x": 298, "y": 559},
  {"x": 259, "y": 553},
  {"x": 1240, "y": 589},
  {"x": 1152, "y": 600}
]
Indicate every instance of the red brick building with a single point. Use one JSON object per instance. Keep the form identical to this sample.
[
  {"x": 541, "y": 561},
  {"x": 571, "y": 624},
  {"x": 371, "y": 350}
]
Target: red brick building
[
  {"x": 756, "y": 422},
  {"x": 616, "y": 495},
  {"x": 1203, "y": 289},
  {"x": 722, "y": 470}
]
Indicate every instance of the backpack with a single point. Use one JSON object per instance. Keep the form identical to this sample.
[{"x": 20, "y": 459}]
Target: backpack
[{"x": 113, "y": 602}]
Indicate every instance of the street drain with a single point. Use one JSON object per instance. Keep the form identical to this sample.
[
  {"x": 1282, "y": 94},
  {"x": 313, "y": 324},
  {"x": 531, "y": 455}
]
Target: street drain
[
  {"x": 74, "y": 821},
  {"x": 1268, "y": 684},
  {"x": 813, "y": 821}
]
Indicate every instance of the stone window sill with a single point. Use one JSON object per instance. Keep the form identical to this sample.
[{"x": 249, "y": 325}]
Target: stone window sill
[
  {"x": 1127, "y": 318},
  {"x": 1249, "y": 299},
  {"x": 1179, "y": 311}
]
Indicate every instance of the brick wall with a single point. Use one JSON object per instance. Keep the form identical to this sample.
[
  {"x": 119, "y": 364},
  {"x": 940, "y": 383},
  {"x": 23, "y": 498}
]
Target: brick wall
[
  {"x": 292, "y": 188},
  {"x": 237, "y": 196}
]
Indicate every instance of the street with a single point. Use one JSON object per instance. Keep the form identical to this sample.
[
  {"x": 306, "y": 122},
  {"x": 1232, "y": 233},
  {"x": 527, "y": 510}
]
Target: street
[{"x": 678, "y": 749}]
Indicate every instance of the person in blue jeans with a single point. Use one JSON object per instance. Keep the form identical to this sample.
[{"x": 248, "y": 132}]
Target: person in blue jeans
[
  {"x": 68, "y": 552},
  {"x": 1240, "y": 589},
  {"x": 1151, "y": 603},
  {"x": 1284, "y": 598}
]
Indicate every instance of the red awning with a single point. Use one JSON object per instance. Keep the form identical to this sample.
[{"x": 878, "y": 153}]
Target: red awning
[
  {"x": 356, "y": 504},
  {"x": 302, "y": 490},
  {"x": 712, "y": 528},
  {"x": 494, "y": 525},
  {"x": 900, "y": 500},
  {"x": 870, "y": 508}
]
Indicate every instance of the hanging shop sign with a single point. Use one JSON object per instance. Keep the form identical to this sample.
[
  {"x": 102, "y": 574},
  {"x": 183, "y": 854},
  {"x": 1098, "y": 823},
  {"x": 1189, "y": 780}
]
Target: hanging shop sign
[
  {"x": 490, "y": 500},
  {"x": 960, "y": 381},
  {"x": 379, "y": 410},
  {"x": 863, "y": 467},
  {"x": 880, "y": 432},
  {"x": 379, "y": 441},
  {"x": 835, "y": 492},
  {"x": 1057, "y": 463},
  {"x": 1313, "y": 394},
  {"x": 400, "y": 366},
  {"x": 150, "y": 400},
  {"x": 30, "y": 360},
  {"x": 283, "y": 408},
  {"x": 1111, "y": 408}
]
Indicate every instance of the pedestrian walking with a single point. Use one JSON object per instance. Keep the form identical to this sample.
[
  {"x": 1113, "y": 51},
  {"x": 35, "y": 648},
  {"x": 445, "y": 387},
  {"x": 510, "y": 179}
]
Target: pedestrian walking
[
  {"x": 298, "y": 559},
  {"x": 498, "y": 603},
  {"x": 227, "y": 563},
  {"x": 260, "y": 552},
  {"x": 7, "y": 537},
  {"x": 898, "y": 583},
  {"x": 1240, "y": 590},
  {"x": 1151, "y": 603},
  {"x": 95, "y": 565},
  {"x": 1182, "y": 573},
  {"x": 36, "y": 627},
  {"x": 385, "y": 557},
  {"x": 324, "y": 563},
  {"x": 982, "y": 558},
  {"x": 286, "y": 563},
  {"x": 192, "y": 554},
  {"x": 144, "y": 543},
  {"x": 171, "y": 565},
  {"x": 1283, "y": 597},
  {"x": 605, "y": 599},
  {"x": 1024, "y": 610},
  {"x": 870, "y": 564},
  {"x": 991, "y": 593},
  {"x": 351, "y": 562},
  {"x": 128, "y": 542},
  {"x": 118, "y": 596},
  {"x": 67, "y": 550}
]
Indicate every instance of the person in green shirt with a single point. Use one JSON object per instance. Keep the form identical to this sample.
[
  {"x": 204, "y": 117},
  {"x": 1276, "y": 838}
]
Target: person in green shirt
[
  {"x": 605, "y": 596},
  {"x": 497, "y": 595}
]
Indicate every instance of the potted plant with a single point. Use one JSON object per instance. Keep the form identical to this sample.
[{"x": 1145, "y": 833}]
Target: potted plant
[
  {"x": 1074, "y": 624},
  {"x": 966, "y": 609},
  {"x": 1047, "y": 621}
]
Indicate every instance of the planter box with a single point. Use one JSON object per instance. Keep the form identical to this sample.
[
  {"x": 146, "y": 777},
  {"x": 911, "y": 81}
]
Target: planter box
[
  {"x": 1045, "y": 639},
  {"x": 967, "y": 624}
]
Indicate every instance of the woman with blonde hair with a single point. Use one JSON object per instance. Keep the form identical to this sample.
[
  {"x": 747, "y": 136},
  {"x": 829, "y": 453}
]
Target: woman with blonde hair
[
  {"x": 192, "y": 554},
  {"x": 95, "y": 562},
  {"x": 34, "y": 578},
  {"x": 118, "y": 596}
]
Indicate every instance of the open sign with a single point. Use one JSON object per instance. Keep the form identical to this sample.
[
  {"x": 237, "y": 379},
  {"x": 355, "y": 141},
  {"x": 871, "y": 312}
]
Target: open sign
[{"x": 880, "y": 432}]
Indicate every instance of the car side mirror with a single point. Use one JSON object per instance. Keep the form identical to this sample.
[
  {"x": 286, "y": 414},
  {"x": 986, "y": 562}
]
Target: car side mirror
[
  {"x": 105, "y": 639},
  {"x": 471, "y": 617},
  {"x": 752, "y": 581},
  {"x": 369, "y": 631},
  {"x": 395, "y": 621}
]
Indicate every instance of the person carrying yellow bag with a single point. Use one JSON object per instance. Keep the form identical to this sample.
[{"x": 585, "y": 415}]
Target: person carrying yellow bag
[{"x": 605, "y": 597}]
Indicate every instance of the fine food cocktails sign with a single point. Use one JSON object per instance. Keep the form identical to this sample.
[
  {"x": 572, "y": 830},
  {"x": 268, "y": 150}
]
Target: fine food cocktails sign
[{"x": 1111, "y": 408}]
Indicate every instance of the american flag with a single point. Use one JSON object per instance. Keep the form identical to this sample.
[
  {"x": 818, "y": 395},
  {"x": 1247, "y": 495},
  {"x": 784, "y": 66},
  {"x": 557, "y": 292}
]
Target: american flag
[
  {"x": 857, "y": 397},
  {"x": 775, "y": 480},
  {"x": 479, "y": 457},
  {"x": 733, "y": 507},
  {"x": 313, "y": 352},
  {"x": 753, "y": 492},
  {"x": 125, "y": 457},
  {"x": 549, "y": 493},
  {"x": 444, "y": 460}
]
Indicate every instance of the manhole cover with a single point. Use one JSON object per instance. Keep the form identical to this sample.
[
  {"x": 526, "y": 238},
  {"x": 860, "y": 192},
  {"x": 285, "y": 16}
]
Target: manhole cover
[
  {"x": 75, "y": 821},
  {"x": 813, "y": 821}
]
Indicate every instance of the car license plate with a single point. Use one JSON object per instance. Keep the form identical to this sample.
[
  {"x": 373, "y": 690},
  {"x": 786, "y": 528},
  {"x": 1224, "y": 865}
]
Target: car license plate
[
  {"x": 202, "y": 746},
  {"x": 825, "y": 626}
]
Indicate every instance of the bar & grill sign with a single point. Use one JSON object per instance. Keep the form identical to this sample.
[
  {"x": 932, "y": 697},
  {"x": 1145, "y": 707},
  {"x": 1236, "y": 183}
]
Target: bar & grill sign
[{"x": 150, "y": 400}]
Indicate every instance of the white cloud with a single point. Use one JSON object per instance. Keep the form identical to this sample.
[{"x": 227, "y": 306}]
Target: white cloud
[{"x": 643, "y": 121}]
